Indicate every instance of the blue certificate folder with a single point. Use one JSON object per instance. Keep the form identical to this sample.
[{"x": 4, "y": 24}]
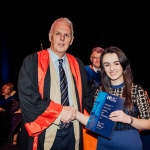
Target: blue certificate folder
[{"x": 99, "y": 121}]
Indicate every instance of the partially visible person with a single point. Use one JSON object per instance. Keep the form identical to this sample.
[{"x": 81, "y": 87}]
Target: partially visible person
[
  {"x": 5, "y": 105},
  {"x": 16, "y": 119},
  {"x": 5, "y": 97},
  {"x": 15, "y": 113},
  {"x": 117, "y": 79},
  {"x": 40, "y": 94},
  {"x": 93, "y": 71},
  {"x": 10, "y": 112},
  {"x": 12, "y": 90}
]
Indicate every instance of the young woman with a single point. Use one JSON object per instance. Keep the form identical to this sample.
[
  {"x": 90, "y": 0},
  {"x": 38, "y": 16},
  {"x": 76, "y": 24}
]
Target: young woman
[{"x": 117, "y": 79}]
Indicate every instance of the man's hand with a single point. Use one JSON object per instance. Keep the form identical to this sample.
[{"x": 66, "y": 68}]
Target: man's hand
[{"x": 68, "y": 114}]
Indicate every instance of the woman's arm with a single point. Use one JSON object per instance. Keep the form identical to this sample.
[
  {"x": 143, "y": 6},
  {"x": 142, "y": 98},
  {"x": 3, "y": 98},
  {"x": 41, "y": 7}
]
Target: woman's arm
[
  {"x": 120, "y": 116},
  {"x": 81, "y": 117}
]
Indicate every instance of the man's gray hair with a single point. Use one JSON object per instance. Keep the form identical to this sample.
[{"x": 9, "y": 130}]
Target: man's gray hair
[{"x": 63, "y": 19}]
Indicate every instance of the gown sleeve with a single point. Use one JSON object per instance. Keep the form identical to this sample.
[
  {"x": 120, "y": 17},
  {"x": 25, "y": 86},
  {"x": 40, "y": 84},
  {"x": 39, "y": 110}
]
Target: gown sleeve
[{"x": 37, "y": 113}]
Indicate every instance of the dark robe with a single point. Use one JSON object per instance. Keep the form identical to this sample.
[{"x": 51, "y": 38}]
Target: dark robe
[
  {"x": 94, "y": 78},
  {"x": 5, "y": 118},
  {"x": 38, "y": 113}
]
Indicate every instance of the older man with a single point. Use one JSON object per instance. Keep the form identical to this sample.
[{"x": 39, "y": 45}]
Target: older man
[{"x": 47, "y": 122}]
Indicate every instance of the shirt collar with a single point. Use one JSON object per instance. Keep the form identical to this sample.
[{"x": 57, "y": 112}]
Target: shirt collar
[
  {"x": 95, "y": 69},
  {"x": 54, "y": 57}
]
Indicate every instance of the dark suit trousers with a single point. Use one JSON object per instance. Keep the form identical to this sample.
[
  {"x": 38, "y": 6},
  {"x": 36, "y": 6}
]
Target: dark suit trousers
[{"x": 65, "y": 139}]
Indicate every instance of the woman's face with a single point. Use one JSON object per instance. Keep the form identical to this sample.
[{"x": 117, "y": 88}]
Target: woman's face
[
  {"x": 113, "y": 68},
  {"x": 6, "y": 90}
]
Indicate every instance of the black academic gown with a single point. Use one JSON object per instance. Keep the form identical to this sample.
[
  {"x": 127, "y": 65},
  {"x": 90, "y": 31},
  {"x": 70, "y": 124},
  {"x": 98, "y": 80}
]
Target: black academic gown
[{"x": 29, "y": 96}]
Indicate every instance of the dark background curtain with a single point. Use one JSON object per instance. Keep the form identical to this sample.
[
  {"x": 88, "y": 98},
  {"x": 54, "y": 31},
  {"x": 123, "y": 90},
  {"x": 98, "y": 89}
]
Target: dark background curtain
[{"x": 26, "y": 25}]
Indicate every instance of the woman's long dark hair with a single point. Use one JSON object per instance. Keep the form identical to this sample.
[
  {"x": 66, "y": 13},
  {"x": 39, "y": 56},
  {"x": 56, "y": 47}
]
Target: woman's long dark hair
[{"x": 127, "y": 74}]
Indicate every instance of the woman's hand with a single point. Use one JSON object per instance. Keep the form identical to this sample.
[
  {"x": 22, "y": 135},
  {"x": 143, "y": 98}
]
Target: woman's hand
[{"x": 119, "y": 116}]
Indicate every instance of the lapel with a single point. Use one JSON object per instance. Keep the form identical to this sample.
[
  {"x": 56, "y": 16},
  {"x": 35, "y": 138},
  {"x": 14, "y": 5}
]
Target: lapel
[{"x": 53, "y": 72}]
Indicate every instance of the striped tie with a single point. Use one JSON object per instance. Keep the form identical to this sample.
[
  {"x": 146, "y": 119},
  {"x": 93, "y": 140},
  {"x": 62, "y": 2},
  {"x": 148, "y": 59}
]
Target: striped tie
[
  {"x": 63, "y": 85},
  {"x": 64, "y": 90}
]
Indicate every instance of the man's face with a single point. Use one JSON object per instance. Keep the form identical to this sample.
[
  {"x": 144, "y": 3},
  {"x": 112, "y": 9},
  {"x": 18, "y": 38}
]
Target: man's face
[
  {"x": 61, "y": 38},
  {"x": 95, "y": 59}
]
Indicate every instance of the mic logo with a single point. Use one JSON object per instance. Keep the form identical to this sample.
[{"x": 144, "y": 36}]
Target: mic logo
[{"x": 111, "y": 98}]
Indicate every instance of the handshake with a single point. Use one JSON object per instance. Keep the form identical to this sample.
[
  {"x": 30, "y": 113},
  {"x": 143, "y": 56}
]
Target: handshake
[{"x": 68, "y": 114}]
